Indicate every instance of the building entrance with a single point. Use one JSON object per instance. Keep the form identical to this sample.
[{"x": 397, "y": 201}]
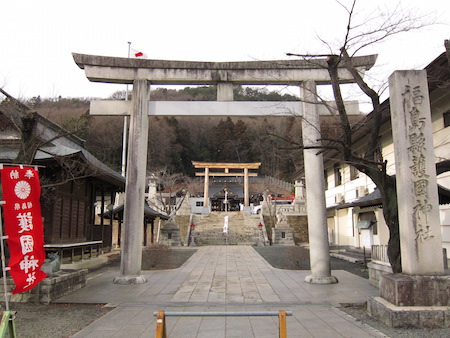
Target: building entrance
[
  {"x": 227, "y": 199},
  {"x": 226, "y": 170}
]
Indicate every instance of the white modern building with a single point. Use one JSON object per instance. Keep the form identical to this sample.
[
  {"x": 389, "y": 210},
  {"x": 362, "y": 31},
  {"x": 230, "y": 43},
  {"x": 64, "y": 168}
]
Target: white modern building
[{"x": 354, "y": 211}]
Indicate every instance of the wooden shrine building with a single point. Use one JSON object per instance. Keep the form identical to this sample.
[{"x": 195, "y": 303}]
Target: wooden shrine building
[{"x": 212, "y": 169}]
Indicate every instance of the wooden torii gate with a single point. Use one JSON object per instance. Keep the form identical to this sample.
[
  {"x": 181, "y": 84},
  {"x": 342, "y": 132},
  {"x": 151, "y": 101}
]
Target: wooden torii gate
[
  {"x": 142, "y": 73},
  {"x": 226, "y": 167}
]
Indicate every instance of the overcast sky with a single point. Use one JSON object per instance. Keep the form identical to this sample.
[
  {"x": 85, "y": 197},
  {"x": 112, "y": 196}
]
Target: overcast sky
[{"x": 38, "y": 36}]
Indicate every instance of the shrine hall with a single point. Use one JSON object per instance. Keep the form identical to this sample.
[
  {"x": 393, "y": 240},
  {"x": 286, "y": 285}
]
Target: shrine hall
[{"x": 226, "y": 195}]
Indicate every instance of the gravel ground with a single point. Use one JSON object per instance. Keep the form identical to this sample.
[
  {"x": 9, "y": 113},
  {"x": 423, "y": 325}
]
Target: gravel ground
[
  {"x": 360, "y": 313},
  {"x": 55, "y": 320},
  {"x": 63, "y": 320},
  {"x": 288, "y": 258},
  {"x": 297, "y": 258}
]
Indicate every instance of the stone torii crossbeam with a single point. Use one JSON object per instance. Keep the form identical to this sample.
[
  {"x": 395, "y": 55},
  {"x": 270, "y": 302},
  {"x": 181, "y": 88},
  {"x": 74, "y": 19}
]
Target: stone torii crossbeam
[{"x": 143, "y": 73}]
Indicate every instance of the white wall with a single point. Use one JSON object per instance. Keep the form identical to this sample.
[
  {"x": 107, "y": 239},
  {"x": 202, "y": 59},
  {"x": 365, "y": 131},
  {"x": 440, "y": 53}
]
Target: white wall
[
  {"x": 344, "y": 219},
  {"x": 444, "y": 212}
]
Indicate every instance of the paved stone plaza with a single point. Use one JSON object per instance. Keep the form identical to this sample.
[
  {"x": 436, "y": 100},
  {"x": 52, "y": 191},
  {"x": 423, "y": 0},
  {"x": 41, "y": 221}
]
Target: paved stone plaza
[{"x": 225, "y": 278}]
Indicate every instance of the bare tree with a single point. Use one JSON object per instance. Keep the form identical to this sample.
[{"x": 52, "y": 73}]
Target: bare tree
[
  {"x": 358, "y": 36},
  {"x": 167, "y": 186}
]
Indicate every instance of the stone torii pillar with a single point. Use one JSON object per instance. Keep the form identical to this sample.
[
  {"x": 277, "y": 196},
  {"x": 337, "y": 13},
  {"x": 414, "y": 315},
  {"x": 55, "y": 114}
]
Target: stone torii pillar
[
  {"x": 315, "y": 198},
  {"x": 246, "y": 189},
  {"x": 206, "y": 189},
  {"x": 131, "y": 246}
]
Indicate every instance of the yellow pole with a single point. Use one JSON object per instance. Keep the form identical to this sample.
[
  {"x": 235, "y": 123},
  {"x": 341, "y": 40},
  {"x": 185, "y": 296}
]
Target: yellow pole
[
  {"x": 282, "y": 323},
  {"x": 161, "y": 325}
]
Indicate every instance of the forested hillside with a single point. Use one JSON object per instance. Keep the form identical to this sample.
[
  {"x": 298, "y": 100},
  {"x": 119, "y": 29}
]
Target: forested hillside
[{"x": 175, "y": 142}]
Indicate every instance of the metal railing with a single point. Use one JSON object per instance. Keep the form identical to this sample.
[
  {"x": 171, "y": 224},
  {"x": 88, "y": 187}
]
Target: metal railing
[
  {"x": 273, "y": 181},
  {"x": 379, "y": 253},
  {"x": 161, "y": 330}
]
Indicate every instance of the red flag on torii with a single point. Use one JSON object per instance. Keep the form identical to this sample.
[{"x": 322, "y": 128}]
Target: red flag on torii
[{"x": 23, "y": 226}]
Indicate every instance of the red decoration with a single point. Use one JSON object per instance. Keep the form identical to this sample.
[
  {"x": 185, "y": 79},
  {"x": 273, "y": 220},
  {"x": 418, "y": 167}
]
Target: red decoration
[
  {"x": 23, "y": 226},
  {"x": 192, "y": 226}
]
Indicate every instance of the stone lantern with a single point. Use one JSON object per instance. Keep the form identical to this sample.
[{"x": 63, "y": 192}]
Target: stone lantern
[{"x": 170, "y": 234}]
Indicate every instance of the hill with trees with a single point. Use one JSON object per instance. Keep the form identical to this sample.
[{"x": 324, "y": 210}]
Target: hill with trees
[{"x": 175, "y": 142}]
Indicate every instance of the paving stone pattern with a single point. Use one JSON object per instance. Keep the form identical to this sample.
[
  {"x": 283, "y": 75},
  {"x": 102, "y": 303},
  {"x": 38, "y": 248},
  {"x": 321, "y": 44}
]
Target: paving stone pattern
[{"x": 225, "y": 278}]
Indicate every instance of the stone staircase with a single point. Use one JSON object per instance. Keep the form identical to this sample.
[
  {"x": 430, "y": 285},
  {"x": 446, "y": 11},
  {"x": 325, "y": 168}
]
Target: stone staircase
[
  {"x": 353, "y": 255},
  {"x": 242, "y": 230}
]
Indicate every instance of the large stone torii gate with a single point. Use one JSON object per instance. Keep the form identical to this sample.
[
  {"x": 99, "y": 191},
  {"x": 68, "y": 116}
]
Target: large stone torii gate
[{"x": 141, "y": 73}]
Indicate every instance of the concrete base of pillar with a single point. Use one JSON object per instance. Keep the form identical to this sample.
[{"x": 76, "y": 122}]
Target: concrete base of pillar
[
  {"x": 412, "y": 301},
  {"x": 126, "y": 280},
  {"x": 321, "y": 280},
  {"x": 431, "y": 317},
  {"x": 409, "y": 290}
]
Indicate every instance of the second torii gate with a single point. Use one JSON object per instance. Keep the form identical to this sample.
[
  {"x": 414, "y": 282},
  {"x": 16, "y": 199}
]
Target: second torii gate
[
  {"x": 141, "y": 73},
  {"x": 226, "y": 167}
]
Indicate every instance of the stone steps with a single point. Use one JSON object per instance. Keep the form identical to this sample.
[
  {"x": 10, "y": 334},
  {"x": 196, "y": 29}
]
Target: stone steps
[
  {"x": 242, "y": 229},
  {"x": 353, "y": 255}
]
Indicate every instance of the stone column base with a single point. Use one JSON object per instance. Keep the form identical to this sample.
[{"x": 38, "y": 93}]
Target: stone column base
[
  {"x": 408, "y": 316},
  {"x": 126, "y": 280},
  {"x": 408, "y": 290},
  {"x": 412, "y": 301},
  {"x": 321, "y": 280}
]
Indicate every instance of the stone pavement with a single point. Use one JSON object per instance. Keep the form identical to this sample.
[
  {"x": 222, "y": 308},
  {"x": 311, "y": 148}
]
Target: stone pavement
[{"x": 225, "y": 278}]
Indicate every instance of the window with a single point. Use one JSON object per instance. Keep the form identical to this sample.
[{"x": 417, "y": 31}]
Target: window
[
  {"x": 325, "y": 174},
  {"x": 375, "y": 228},
  {"x": 446, "y": 116},
  {"x": 337, "y": 175},
  {"x": 367, "y": 220},
  {"x": 199, "y": 203},
  {"x": 354, "y": 173}
]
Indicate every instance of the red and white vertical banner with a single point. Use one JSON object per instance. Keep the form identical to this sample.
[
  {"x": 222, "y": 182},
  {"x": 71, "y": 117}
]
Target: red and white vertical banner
[
  {"x": 225, "y": 225},
  {"x": 23, "y": 226}
]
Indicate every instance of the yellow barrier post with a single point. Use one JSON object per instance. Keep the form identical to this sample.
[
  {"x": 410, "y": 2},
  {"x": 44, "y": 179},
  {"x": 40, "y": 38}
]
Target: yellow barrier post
[
  {"x": 161, "y": 331},
  {"x": 282, "y": 323},
  {"x": 161, "y": 325}
]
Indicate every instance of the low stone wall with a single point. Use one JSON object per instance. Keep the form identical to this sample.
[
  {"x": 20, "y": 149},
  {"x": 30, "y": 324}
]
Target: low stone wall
[
  {"x": 430, "y": 317},
  {"x": 299, "y": 225},
  {"x": 282, "y": 236},
  {"x": 50, "y": 288},
  {"x": 376, "y": 269}
]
